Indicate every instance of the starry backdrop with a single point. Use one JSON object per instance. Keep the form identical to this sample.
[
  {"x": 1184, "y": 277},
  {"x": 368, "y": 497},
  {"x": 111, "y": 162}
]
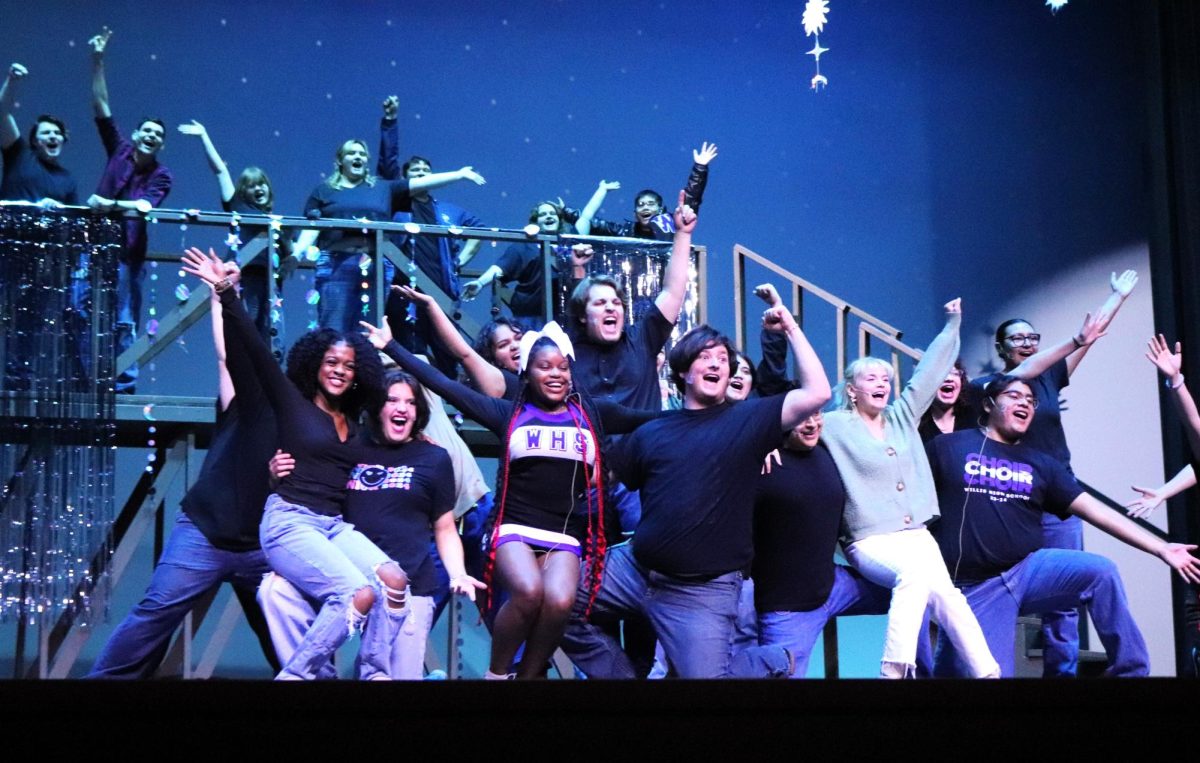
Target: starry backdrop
[{"x": 959, "y": 149}]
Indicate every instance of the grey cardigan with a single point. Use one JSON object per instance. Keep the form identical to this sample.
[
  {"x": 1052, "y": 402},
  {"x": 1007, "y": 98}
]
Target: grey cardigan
[{"x": 888, "y": 483}]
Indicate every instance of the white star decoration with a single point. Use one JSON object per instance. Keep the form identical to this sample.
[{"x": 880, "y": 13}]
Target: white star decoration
[
  {"x": 815, "y": 12},
  {"x": 1055, "y": 5}
]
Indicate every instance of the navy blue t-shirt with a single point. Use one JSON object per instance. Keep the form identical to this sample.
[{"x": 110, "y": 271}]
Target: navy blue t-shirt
[
  {"x": 992, "y": 497},
  {"x": 28, "y": 178},
  {"x": 372, "y": 202},
  {"x": 797, "y": 518},
  {"x": 696, "y": 470},
  {"x": 626, "y": 371},
  {"x": 394, "y": 496}
]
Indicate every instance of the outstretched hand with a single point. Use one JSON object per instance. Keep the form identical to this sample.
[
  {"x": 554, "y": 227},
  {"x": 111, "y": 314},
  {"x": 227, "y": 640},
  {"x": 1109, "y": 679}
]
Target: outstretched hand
[
  {"x": 1142, "y": 507},
  {"x": 468, "y": 173},
  {"x": 1124, "y": 283},
  {"x": 209, "y": 267},
  {"x": 195, "y": 128},
  {"x": 1179, "y": 557},
  {"x": 606, "y": 186},
  {"x": 707, "y": 152},
  {"x": 954, "y": 306},
  {"x": 685, "y": 217},
  {"x": 420, "y": 297},
  {"x": 1169, "y": 364},
  {"x": 1090, "y": 331},
  {"x": 378, "y": 336},
  {"x": 16, "y": 71}
]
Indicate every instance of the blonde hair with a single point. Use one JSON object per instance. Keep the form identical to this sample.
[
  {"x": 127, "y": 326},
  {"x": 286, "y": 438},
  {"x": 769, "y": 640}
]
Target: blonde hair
[
  {"x": 842, "y": 399},
  {"x": 335, "y": 180}
]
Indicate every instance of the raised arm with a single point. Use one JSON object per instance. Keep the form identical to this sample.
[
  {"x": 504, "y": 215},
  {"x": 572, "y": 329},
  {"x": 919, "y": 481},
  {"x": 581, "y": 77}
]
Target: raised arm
[
  {"x": 225, "y": 391},
  {"x": 388, "y": 164},
  {"x": 1122, "y": 287},
  {"x": 241, "y": 335},
  {"x": 1170, "y": 365},
  {"x": 9, "y": 131},
  {"x": 215, "y": 163},
  {"x": 1152, "y": 498},
  {"x": 100, "y": 105},
  {"x": 772, "y": 368},
  {"x": 1175, "y": 555},
  {"x": 488, "y": 411},
  {"x": 698, "y": 179},
  {"x": 937, "y": 361},
  {"x": 675, "y": 278},
  {"x": 1041, "y": 362},
  {"x": 813, "y": 392},
  {"x": 439, "y": 179},
  {"x": 489, "y": 379},
  {"x": 584, "y": 223}
]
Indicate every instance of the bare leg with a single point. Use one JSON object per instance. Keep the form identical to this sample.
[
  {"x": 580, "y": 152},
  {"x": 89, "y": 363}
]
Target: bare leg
[
  {"x": 518, "y": 571},
  {"x": 560, "y": 578}
]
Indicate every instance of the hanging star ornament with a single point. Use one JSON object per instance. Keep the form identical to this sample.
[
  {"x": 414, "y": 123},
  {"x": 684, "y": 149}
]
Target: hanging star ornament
[
  {"x": 1055, "y": 5},
  {"x": 815, "y": 16}
]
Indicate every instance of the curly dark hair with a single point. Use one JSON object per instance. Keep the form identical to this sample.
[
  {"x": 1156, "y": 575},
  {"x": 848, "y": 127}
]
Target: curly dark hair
[{"x": 304, "y": 360}]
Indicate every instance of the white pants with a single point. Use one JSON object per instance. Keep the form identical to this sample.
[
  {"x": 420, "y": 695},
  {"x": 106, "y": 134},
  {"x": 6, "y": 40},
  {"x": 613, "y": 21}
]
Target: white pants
[
  {"x": 910, "y": 563},
  {"x": 289, "y": 613}
]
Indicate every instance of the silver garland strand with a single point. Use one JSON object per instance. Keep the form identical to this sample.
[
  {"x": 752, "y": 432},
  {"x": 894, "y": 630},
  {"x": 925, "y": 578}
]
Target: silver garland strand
[{"x": 58, "y": 427}]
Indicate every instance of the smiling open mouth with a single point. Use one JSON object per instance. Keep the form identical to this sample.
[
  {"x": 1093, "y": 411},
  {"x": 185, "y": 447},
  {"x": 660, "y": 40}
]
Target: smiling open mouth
[{"x": 736, "y": 384}]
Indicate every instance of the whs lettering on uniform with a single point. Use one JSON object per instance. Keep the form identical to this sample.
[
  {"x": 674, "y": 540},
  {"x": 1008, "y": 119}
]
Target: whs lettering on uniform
[{"x": 553, "y": 442}]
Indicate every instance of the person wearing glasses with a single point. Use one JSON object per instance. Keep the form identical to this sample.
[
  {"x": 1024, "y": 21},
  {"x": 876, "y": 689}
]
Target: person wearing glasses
[
  {"x": 1048, "y": 370},
  {"x": 992, "y": 490}
]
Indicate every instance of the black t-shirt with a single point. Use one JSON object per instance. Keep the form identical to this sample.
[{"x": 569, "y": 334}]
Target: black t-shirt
[
  {"x": 797, "y": 516},
  {"x": 394, "y": 496},
  {"x": 696, "y": 470},
  {"x": 372, "y": 202},
  {"x": 305, "y": 431},
  {"x": 1046, "y": 432},
  {"x": 626, "y": 371},
  {"x": 28, "y": 178},
  {"x": 247, "y": 232},
  {"x": 523, "y": 263},
  {"x": 226, "y": 502},
  {"x": 992, "y": 496}
]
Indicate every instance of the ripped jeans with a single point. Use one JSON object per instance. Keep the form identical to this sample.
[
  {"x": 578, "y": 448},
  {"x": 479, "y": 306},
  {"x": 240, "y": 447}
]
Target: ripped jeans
[{"x": 329, "y": 561}]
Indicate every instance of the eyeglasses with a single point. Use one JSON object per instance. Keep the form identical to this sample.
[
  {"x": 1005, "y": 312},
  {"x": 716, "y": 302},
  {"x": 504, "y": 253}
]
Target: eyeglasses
[
  {"x": 1024, "y": 340},
  {"x": 1018, "y": 397}
]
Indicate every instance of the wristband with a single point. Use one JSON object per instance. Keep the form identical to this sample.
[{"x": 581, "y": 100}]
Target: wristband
[
  {"x": 1167, "y": 383},
  {"x": 1075, "y": 341}
]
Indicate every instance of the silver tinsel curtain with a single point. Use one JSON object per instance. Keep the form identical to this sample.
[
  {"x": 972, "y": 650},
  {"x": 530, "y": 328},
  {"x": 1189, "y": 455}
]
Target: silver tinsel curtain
[
  {"x": 57, "y": 428},
  {"x": 638, "y": 265}
]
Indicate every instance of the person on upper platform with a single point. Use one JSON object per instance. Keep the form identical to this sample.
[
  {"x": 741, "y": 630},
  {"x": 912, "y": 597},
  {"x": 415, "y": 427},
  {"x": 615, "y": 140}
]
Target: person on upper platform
[{"x": 31, "y": 168}]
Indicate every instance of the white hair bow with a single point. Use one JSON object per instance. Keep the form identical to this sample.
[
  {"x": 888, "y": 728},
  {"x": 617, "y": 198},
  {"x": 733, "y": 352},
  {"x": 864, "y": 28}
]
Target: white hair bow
[{"x": 551, "y": 331}]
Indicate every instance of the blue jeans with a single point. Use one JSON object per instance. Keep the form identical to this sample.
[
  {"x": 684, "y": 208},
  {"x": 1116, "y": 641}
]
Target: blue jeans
[
  {"x": 189, "y": 568},
  {"x": 695, "y": 622},
  {"x": 852, "y": 594},
  {"x": 1047, "y": 580},
  {"x": 622, "y": 595},
  {"x": 130, "y": 276},
  {"x": 1060, "y": 629},
  {"x": 329, "y": 561},
  {"x": 338, "y": 280}
]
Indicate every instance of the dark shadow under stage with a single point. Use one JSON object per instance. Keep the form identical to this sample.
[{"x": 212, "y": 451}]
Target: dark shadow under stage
[{"x": 665, "y": 719}]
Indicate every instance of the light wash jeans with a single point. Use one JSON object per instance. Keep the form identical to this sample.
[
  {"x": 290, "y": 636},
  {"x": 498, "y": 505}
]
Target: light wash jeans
[
  {"x": 330, "y": 561},
  {"x": 910, "y": 564},
  {"x": 290, "y": 613}
]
